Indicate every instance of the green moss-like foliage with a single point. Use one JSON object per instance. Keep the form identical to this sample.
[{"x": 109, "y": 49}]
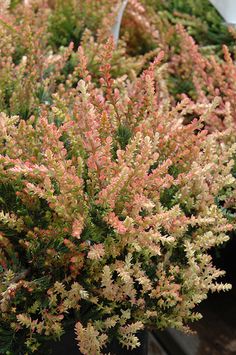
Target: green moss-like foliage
[{"x": 200, "y": 17}]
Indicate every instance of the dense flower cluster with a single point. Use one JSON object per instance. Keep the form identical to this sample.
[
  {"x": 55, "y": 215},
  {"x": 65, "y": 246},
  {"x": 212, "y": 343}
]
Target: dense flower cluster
[
  {"x": 113, "y": 191},
  {"x": 108, "y": 212}
]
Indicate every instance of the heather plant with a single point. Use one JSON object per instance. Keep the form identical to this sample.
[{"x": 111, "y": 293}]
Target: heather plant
[
  {"x": 69, "y": 19},
  {"x": 108, "y": 211},
  {"x": 139, "y": 29},
  {"x": 29, "y": 72},
  {"x": 206, "y": 77},
  {"x": 32, "y": 67},
  {"x": 209, "y": 78},
  {"x": 201, "y": 19},
  {"x": 226, "y": 199}
]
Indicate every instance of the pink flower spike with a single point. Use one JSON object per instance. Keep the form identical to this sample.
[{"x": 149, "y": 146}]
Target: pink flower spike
[{"x": 77, "y": 228}]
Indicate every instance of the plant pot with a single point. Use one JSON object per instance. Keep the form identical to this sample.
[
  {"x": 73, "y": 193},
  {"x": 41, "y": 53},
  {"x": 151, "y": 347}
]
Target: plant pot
[
  {"x": 149, "y": 346},
  {"x": 227, "y": 9},
  {"x": 168, "y": 342},
  {"x": 177, "y": 343}
]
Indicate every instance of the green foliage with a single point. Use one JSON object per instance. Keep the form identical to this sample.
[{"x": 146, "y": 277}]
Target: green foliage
[
  {"x": 69, "y": 19},
  {"x": 201, "y": 19},
  {"x": 66, "y": 24},
  {"x": 123, "y": 135}
]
